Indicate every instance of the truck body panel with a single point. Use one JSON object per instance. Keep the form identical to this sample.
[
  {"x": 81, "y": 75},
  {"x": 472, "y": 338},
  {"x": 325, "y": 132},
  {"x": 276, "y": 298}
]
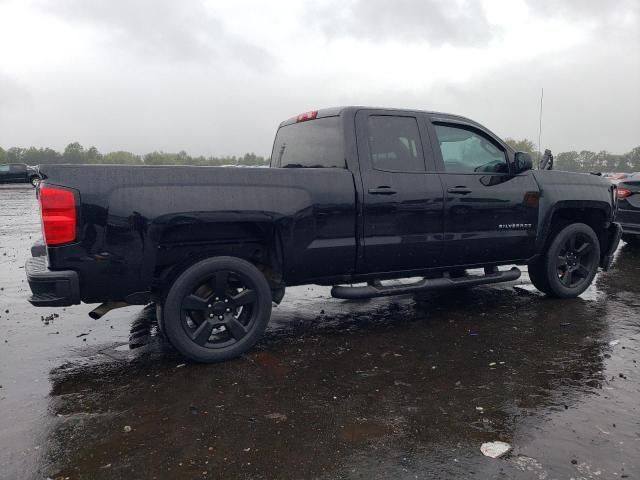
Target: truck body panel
[{"x": 395, "y": 199}]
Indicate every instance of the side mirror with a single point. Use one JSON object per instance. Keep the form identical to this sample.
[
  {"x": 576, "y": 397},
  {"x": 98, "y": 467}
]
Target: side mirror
[{"x": 522, "y": 162}]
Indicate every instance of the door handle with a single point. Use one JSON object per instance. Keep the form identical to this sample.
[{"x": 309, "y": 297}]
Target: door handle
[
  {"x": 384, "y": 190},
  {"x": 459, "y": 189}
]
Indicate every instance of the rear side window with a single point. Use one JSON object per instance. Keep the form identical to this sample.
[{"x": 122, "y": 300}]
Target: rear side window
[
  {"x": 18, "y": 168},
  {"x": 315, "y": 143},
  {"x": 394, "y": 143},
  {"x": 4, "y": 168}
]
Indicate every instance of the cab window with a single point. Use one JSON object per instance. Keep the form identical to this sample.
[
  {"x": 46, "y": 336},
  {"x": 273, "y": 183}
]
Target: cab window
[
  {"x": 394, "y": 144},
  {"x": 466, "y": 151},
  {"x": 315, "y": 143}
]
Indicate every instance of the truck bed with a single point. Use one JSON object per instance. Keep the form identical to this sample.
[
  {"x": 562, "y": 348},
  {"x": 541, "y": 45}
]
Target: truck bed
[{"x": 135, "y": 221}]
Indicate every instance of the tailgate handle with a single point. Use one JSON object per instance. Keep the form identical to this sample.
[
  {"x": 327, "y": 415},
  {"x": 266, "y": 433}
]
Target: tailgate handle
[
  {"x": 459, "y": 189},
  {"x": 383, "y": 190}
]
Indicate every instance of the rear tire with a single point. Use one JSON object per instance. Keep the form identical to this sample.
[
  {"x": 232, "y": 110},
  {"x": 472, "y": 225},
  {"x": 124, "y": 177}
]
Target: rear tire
[
  {"x": 217, "y": 309},
  {"x": 570, "y": 263},
  {"x": 34, "y": 181}
]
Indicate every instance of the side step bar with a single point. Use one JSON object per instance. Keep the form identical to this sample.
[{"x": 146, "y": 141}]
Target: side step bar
[{"x": 376, "y": 289}]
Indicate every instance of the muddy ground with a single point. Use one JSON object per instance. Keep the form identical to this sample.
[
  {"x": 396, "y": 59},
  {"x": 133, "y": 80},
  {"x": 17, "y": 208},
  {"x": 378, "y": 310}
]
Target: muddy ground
[{"x": 392, "y": 388}]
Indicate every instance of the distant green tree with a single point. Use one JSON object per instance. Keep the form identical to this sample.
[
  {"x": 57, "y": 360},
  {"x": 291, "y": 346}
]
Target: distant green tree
[
  {"x": 584, "y": 161},
  {"x": 632, "y": 160},
  {"x": 567, "y": 161},
  {"x": 623, "y": 163},
  {"x": 160, "y": 158},
  {"x": 3, "y": 155},
  {"x": 524, "y": 145},
  {"x": 40, "y": 156},
  {"x": 588, "y": 161},
  {"x": 183, "y": 158},
  {"x": 32, "y": 156},
  {"x": 15, "y": 155},
  {"x": 93, "y": 156},
  {"x": 628, "y": 165},
  {"x": 74, "y": 153},
  {"x": 49, "y": 156},
  {"x": 121, "y": 158}
]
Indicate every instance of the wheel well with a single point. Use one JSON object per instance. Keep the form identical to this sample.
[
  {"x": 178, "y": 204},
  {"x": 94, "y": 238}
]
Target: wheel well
[
  {"x": 261, "y": 256},
  {"x": 593, "y": 217}
]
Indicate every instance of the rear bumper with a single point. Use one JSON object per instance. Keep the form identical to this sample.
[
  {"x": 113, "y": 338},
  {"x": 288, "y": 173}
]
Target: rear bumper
[
  {"x": 614, "y": 234},
  {"x": 51, "y": 288}
]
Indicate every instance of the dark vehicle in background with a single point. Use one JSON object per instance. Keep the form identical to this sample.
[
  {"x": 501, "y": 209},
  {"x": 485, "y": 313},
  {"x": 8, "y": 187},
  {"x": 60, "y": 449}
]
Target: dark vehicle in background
[
  {"x": 353, "y": 195},
  {"x": 629, "y": 208},
  {"x": 19, "y": 173}
]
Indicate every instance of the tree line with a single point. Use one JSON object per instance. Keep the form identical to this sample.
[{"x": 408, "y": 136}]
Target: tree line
[
  {"x": 585, "y": 161},
  {"x": 76, "y": 154},
  {"x": 574, "y": 161}
]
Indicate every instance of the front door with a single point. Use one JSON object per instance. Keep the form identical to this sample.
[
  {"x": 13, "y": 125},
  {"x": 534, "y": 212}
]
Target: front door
[
  {"x": 490, "y": 213},
  {"x": 403, "y": 204}
]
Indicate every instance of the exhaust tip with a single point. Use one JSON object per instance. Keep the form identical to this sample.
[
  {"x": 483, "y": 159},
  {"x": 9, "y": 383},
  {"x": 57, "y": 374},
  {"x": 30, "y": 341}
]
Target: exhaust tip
[{"x": 101, "y": 310}]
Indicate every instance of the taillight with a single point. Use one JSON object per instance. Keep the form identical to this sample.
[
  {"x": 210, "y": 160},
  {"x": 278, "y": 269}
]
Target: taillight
[
  {"x": 624, "y": 193},
  {"x": 303, "y": 117},
  {"x": 58, "y": 209}
]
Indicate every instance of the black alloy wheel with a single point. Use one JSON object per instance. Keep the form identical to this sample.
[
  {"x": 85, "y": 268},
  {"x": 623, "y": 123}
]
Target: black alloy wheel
[
  {"x": 217, "y": 309},
  {"x": 570, "y": 263},
  {"x": 576, "y": 261},
  {"x": 218, "y": 312}
]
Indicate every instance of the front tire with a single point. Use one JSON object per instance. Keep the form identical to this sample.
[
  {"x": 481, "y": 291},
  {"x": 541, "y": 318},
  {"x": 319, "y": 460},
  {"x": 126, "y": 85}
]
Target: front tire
[
  {"x": 217, "y": 309},
  {"x": 570, "y": 263},
  {"x": 538, "y": 276}
]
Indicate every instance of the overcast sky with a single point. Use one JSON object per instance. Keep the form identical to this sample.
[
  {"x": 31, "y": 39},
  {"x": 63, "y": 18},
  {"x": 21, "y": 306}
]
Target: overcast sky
[{"x": 216, "y": 77}]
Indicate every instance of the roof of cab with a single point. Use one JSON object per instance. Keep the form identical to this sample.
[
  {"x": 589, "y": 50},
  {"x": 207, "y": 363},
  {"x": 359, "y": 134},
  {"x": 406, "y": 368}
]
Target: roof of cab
[{"x": 336, "y": 111}]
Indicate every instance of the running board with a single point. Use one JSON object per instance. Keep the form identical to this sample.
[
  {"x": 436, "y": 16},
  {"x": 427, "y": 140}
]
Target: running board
[{"x": 376, "y": 289}]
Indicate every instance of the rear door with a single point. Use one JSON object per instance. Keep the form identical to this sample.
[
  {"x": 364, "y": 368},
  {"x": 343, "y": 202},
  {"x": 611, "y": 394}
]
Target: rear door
[
  {"x": 490, "y": 214},
  {"x": 403, "y": 199}
]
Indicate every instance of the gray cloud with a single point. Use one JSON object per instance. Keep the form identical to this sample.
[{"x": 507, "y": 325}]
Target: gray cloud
[
  {"x": 12, "y": 94},
  {"x": 163, "y": 30},
  {"x": 455, "y": 22},
  {"x": 590, "y": 100},
  {"x": 601, "y": 12},
  {"x": 158, "y": 74}
]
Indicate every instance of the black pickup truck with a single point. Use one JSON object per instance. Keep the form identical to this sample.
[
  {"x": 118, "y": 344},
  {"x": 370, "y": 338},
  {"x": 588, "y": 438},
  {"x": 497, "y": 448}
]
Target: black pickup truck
[{"x": 353, "y": 196}]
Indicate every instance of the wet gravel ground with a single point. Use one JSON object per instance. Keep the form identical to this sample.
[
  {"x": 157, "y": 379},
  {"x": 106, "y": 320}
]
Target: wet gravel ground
[{"x": 402, "y": 387}]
